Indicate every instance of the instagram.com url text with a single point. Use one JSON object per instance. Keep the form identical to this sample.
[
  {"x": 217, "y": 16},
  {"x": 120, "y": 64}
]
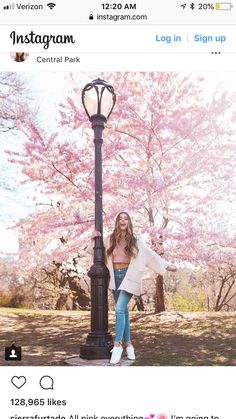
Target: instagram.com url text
[{"x": 116, "y": 18}]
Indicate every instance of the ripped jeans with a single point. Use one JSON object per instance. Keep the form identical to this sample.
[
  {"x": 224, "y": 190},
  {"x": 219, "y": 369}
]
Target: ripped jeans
[{"x": 122, "y": 299}]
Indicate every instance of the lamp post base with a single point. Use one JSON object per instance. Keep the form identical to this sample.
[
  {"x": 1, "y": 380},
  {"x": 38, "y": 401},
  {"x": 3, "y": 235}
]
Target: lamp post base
[{"x": 98, "y": 345}]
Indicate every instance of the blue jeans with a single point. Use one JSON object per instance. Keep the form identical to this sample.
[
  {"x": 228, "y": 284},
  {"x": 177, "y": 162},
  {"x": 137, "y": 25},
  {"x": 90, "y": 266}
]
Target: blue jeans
[{"x": 122, "y": 299}]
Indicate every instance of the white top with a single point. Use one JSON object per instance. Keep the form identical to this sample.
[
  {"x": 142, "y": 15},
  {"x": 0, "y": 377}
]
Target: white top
[{"x": 133, "y": 278}]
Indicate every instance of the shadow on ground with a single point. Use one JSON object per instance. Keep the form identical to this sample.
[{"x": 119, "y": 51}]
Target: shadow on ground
[{"x": 50, "y": 337}]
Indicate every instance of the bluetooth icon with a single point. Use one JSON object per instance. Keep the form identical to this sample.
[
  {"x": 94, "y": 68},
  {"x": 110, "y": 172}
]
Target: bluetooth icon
[{"x": 192, "y": 6}]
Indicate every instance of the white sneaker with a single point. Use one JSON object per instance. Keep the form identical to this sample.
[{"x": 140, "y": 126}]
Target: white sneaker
[
  {"x": 116, "y": 354},
  {"x": 130, "y": 352}
]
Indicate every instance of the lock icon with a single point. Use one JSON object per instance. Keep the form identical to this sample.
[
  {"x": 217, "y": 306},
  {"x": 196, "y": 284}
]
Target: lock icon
[{"x": 91, "y": 17}]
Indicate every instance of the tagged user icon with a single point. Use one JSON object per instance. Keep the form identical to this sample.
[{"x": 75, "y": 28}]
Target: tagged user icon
[{"x": 13, "y": 353}]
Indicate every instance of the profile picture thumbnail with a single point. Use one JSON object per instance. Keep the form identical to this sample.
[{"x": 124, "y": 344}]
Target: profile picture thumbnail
[{"x": 19, "y": 57}]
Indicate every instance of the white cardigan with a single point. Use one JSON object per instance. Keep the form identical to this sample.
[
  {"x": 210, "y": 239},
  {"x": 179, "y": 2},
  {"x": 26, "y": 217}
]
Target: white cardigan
[{"x": 133, "y": 278}]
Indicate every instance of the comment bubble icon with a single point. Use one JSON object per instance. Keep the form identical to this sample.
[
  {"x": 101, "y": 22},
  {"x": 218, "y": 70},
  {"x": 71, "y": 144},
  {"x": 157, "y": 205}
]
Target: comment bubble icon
[{"x": 46, "y": 382}]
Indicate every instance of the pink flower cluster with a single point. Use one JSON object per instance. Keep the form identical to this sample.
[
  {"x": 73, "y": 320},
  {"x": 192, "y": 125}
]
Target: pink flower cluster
[{"x": 160, "y": 416}]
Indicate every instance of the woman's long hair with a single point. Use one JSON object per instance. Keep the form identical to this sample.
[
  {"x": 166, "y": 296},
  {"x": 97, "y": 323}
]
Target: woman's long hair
[{"x": 131, "y": 248}]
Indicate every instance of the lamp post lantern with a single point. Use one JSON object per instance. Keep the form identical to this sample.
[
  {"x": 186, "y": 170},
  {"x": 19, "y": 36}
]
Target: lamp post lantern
[{"x": 98, "y": 98}]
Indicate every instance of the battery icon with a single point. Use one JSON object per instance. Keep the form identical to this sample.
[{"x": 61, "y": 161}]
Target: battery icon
[{"x": 224, "y": 6}]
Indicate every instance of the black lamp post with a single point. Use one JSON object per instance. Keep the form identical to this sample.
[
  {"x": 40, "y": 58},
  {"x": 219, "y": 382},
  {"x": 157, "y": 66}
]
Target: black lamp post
[{"x": 98, "y": 98}]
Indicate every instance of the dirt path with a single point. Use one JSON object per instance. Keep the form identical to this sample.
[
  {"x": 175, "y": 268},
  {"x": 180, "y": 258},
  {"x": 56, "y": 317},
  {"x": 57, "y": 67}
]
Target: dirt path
[{"x": 49, "y": 337}]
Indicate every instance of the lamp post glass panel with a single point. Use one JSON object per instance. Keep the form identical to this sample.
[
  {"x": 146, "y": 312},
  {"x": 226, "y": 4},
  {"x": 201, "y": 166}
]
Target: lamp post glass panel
[{"x": 98, "y": 98}]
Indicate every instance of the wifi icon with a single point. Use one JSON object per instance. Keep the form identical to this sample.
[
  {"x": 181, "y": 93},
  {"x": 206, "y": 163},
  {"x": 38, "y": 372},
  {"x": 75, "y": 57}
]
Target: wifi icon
[{"x": 51, "y": 5}]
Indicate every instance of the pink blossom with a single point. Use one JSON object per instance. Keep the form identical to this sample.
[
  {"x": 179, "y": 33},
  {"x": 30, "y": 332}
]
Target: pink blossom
[
  {"x": 162, "y": 416},
  {"x": 167, "y": 159}
]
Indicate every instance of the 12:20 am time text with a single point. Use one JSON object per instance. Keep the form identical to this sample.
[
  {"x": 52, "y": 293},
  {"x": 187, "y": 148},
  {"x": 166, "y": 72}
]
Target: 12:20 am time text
[{"x": 118, "y": 6}]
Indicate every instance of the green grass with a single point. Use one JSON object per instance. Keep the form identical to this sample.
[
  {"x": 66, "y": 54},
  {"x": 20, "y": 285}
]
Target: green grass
[{"x": 49, "y": 337}]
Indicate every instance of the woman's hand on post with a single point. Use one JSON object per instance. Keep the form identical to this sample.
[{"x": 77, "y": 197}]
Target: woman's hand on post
[
  {"x": 96, "y": 233},
  {"x": 171, "y": 268}
]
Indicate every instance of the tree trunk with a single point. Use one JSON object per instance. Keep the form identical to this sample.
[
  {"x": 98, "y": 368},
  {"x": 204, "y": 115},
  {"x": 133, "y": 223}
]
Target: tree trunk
[
  {"x": 61, "y": 302},
  {"x": 138, "y": 303},
  {"x": 159, "y": 297},
  {"x": 157, "y": 246}
]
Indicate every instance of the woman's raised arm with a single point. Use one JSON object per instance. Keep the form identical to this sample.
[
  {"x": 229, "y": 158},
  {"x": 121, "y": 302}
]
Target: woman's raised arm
[{"x": 157, "y": 263}]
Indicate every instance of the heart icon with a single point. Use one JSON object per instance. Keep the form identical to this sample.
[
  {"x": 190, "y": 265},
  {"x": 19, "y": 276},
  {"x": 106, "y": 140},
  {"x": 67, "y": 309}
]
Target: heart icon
[{"x": 18, "y": 382}]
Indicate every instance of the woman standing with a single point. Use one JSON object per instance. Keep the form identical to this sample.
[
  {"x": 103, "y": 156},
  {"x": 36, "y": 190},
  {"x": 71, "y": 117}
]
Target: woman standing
[{"x": 126, "y": 259}]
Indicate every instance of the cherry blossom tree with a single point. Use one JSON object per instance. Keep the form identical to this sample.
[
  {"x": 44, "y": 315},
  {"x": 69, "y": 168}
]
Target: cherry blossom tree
[
  {"x": 167, "y": 156},
  {"x": 14, "y": 106},
  {"x": 13, "y": 103},
  {"x": 221, "y": 284}
]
